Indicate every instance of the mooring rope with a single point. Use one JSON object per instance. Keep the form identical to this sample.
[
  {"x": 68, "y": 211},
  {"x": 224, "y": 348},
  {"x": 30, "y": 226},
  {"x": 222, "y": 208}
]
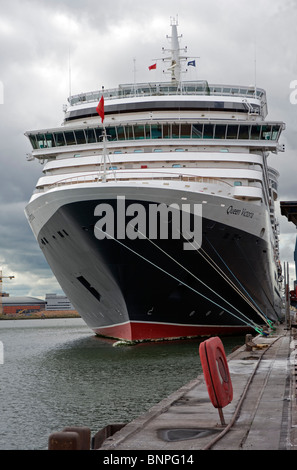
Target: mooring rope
[
  {"x": 195, "y": 277},
  {"x": 249, "y": 322},
  {"x": 252, "y": 302}
]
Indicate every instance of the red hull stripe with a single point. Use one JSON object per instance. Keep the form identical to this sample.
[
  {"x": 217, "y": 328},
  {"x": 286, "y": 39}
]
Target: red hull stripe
[{"x": 136, "y": 331}]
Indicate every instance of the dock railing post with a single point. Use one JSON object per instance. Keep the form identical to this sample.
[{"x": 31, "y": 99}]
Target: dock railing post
[{"x": 287, "y": 296}]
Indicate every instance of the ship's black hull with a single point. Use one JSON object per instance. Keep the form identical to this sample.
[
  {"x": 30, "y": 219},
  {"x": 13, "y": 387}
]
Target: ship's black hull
[{"x": 152, "y": 289}]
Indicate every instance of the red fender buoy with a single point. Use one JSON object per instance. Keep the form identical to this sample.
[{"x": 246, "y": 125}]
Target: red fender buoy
[{"x": 216, "y": 372}]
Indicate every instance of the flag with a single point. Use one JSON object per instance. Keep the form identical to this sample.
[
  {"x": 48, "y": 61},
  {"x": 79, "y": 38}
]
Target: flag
[
  {"x": 151, "y": 67},
  {"x": 192, "y": 62},
  {"x": 100, "y": 108}
]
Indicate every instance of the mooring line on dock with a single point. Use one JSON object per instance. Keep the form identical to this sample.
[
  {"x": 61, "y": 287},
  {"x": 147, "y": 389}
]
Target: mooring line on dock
[
  {"x": 239, "y": 405},
  {"x": 251, "y": 302},
  {"x": 205, "y": 285},
  {"x": 249, "y": 323}
]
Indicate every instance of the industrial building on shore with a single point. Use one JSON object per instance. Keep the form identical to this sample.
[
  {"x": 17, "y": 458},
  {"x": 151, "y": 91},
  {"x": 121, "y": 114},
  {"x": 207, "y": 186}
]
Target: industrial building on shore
[{"x": 29, "y": 305}]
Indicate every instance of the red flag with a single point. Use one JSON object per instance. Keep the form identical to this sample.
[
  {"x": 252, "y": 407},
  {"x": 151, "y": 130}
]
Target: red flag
[
  {"x": 100, "y": 108},
  {"x": 151, "y": 67}
]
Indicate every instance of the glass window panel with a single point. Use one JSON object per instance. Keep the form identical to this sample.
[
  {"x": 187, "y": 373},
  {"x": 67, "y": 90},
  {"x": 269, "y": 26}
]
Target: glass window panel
[
  {"x": 121, "y": 133},
  {"x": 208, "y": 131},
  {"x": 220, "y": 131},
  {"x": 244, "y": 132},
  {"x": 167, "y": 131},
  {"x": 49, "y": 140},
  {"x": 275, "y": 131},
  {"x": 111, "y": 133},
  {"x": 185, "y": 131},
  {"x": 59, "y": 138},
  {"x": 197, "y": 131},
  {"x": 232, "y": 131},
  {"x": 33, "y": 141},
  {"x": 255, "y": 132},
  {"x": 147, "y": 131},
  {"x": 156, "y": 131},
  {"x": 98, "y": 132},
  {"x": 90, "y": 135},
  {"x": 41, "y": 142},
  {"x": 80, "y": 136},
  {"x": 139, "y": 132},
  {"x": 175, "y": 131},
  {"x": 129, "y": 133},
  {"x": 70, "y": 139},
  {"x": 266, "y": 132}
]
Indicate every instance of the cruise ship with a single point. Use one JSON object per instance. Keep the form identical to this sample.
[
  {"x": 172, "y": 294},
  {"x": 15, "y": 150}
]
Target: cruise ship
[{"x": 156, "y": 206}]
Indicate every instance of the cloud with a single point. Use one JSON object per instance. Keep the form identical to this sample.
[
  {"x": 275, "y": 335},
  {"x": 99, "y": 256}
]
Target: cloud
[{"x": 45, "y": 43}]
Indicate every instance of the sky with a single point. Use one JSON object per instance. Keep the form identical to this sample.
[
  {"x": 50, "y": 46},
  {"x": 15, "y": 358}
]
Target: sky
[{"x": 50, "y": 49}]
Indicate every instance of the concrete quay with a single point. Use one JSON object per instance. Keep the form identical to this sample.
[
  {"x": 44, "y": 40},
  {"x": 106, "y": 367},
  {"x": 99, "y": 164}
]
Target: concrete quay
[{"x": 261, "y": 416}]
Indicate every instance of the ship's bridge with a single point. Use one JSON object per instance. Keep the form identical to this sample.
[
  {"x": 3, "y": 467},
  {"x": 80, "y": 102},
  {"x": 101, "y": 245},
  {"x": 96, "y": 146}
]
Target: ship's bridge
[{"x": 160, "y": 96}]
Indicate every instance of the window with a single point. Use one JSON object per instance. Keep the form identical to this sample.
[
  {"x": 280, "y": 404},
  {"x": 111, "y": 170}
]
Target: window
[
  {"x": 98, "y": 133},
  {"x": 80, "y": 137},
  {"x": 33, "y": 141},
  {"x": 156, "y": 131},
  {"x": 41, "y": 142},
  {"x": 70, "y": 139},
  {"x": 232, "y": 132},
  {"x": 208, "y": 131},
  {"x": 220, "y": 131},
  {"x": 244, "y": 132},
  {"x": 59, "y": 139},
  {"x": 185, "y": 131},
  {"x": 111, "y": 133},
  {"x": 197, "y": 131},
  {"x": 121, "y": 133},
  {"x": 255, "y": 132},
  {"x": 129, "y": 133},
  {"x": 266, "y": 132},
  {"x": 49, "y": 140},
  {"x": 139, "y": 132},
  {"x": 167, "y": 131},
  {"x": 90, "y": 135},
  {"x": 175, "y": 131},
  {"x": 147, "y": 131},
  {"x": 274, "y": 132}
]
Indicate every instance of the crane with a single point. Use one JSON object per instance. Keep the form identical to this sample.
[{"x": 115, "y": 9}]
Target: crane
[{"x": 1, "y": 282}]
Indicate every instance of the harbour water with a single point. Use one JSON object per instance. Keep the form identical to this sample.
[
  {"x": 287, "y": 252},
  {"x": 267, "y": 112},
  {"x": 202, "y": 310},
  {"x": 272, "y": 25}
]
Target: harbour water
[{"x": 57, "y": 373}]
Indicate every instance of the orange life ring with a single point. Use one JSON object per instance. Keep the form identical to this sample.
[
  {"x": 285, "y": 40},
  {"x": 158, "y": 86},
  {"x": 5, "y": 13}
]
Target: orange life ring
[{"x": 216, "y": 372}]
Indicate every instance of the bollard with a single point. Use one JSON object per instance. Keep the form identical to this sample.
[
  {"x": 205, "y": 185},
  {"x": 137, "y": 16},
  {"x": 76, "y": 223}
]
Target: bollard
[
  {"x": 249, "y": 343},
  {"x": 84, "y": 436},
  {"x": 64, "y": 441}
]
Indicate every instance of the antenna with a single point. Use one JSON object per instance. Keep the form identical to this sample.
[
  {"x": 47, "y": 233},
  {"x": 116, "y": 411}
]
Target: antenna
[
  {"x": 255, "y": 67},
  {"x": 69, "y": 70},
  {"x": 134, "y": 75}
]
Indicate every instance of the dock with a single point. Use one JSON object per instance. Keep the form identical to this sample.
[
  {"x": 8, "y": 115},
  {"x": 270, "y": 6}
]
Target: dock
[{"x": 261, "y": 416}]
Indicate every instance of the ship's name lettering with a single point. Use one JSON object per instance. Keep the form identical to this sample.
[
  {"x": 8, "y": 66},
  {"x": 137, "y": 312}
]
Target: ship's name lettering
[{"x": 243, "y": 212}]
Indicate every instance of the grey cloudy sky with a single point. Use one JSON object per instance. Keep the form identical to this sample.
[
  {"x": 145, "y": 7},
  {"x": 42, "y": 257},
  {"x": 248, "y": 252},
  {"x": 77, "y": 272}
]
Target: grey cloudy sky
[{"x": 103, "y": 39}]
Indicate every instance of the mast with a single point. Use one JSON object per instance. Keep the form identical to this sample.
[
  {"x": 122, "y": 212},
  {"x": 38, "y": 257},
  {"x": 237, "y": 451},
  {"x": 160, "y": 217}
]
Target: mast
[
  {"x": 175, "y": 56},
  {"x": 175, "y": 59}
]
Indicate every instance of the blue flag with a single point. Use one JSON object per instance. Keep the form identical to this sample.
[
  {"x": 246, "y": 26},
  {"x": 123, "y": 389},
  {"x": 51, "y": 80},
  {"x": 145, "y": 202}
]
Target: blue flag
[{"x": 192, "y": 62}]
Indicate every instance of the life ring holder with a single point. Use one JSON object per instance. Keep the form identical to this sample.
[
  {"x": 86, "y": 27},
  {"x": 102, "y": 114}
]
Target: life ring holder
[{"x": 216, "y": 373}]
